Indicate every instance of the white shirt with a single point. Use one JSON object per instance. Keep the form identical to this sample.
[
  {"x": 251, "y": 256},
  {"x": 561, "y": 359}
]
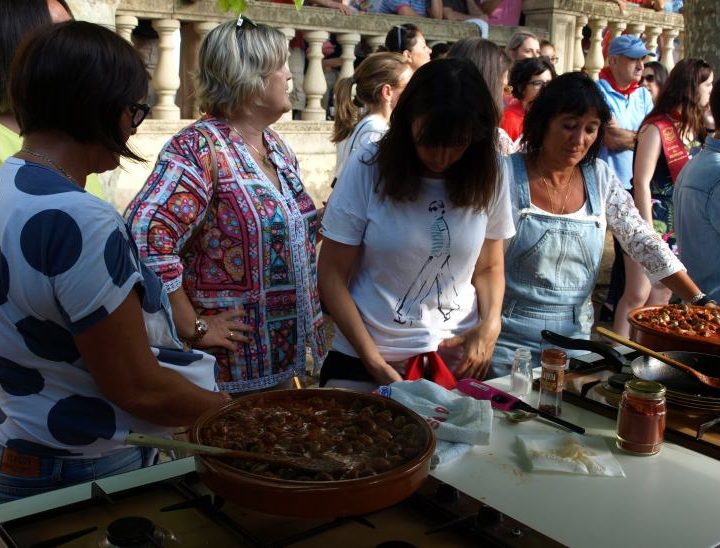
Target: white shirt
[
  {"x": 367, "y": 131},
  {"x": 412, "y": 285}
]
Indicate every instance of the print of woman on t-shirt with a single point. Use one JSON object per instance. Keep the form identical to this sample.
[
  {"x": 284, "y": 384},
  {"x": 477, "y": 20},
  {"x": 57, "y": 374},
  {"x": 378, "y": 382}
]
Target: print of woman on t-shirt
[{"x": 434, "y": 274}]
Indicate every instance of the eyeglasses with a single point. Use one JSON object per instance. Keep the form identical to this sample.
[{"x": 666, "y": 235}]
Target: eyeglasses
[
  {"x": 138, "y": 111},
  {"x": 649, "y": 78},
  {"x": 538, "y": 83}
]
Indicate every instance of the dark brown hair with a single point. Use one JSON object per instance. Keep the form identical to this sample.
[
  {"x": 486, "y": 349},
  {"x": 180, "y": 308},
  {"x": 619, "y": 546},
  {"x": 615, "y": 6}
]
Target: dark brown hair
[
  {"x": 523, "y": 70},
  {"x": 715, "y": 101},
  {"x": 452, "y": 104},
  {"x": 77, "y": 78},
  {"x": 401, "y": 37}
]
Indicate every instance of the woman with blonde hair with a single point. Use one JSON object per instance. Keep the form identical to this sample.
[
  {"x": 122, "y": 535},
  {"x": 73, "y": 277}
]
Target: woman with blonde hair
[{"x": 364, "y": 102}]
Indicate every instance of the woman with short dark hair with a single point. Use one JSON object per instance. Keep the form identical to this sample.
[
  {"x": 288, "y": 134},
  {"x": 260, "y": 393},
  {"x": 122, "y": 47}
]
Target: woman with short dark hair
[
  {"x": 408, "y": 40},
  {"x": 411, "y": 265},
  {"x": 563, "y": 199},
  {"x": 78, "y": 311}
]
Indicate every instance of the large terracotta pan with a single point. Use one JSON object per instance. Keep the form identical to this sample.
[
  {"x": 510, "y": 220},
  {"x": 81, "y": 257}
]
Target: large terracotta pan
[
  {"x": 313, "y": 499},
  {"x": 657, "y": 339}
]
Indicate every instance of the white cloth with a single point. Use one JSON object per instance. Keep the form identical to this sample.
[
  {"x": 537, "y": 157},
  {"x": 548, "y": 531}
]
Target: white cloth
[
  {"x": 637, "y": 238},
  {"x": 459, "y": 422},
  {"x": 367, "y": 131},
  {"x": 569, "y": 453},
  {"x": 412, "y": 285}
]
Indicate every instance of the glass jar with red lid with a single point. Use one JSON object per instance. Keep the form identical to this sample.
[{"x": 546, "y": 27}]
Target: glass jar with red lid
[{"x": 641, "y": 417}]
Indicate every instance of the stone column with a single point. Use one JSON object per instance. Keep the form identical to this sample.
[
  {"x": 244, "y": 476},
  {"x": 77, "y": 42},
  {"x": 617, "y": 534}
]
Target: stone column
[
  {"x": 289, "y": 34},
  {"x": 578, "y": 54},
  {"x": 680, "y": 51},
  {"x": 348, "y": 41},
  {"x": 594, "y": 61},
  {"x": 166, "y": 79},
  {"x": 315, "y": 85},
  {"x": 616, "y": 28},
  {"x": 668, "y": 45},
  {"x": 636, "y": 28},
  {"x": 375, "y": 41},
  {"x": 125, "y": 24},
  {"x": 651, "y": 38}
]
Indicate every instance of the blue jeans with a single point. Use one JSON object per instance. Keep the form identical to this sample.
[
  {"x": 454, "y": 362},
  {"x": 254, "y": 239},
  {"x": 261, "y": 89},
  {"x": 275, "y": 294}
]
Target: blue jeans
[{"x": 23, "y": 475}]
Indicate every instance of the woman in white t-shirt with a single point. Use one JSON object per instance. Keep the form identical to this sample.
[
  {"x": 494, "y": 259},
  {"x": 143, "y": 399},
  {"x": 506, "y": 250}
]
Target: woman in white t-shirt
[
  {"x": 412, "y": 263},
  {"x": 362, "y": 117}
]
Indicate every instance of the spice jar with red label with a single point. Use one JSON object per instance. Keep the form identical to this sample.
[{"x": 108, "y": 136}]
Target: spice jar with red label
[
  {"x": 552, "y": 380},
  {"x": 641, "y": 417}
]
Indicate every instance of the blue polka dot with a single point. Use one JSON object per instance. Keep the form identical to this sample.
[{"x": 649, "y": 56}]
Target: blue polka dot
[
  {"x": 118, "y": 258},
  {"x": 51, "y": 242},
  {"x": 40, "y": 181},
  {"x": 32, "y": 448},
  {"x": 79, "y": 420},
  {"x": 152, "y": 297},
  {"x": 4, "y": 278},
  {"x": 48, "y": 340},
  {"x": 17, "y": 380},
  {"x": 177, "y": 357}
]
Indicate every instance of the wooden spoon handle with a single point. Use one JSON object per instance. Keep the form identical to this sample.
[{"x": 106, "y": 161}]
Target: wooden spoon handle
[{"x": 169, "y": 443}]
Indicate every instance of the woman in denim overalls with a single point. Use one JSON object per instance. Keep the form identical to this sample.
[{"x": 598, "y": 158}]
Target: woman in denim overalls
[{"x": 563, "y": 200}]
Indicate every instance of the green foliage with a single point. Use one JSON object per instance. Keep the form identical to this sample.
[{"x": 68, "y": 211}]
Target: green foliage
[{"x": 236, "y": 6}]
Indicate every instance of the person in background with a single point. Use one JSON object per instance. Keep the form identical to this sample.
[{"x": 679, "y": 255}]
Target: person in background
[
  {"x": 527, "y": 78},
  {"x": 697, "y": 210},
  {"x": 408, "y": 40},
  {"x": 502, "y": 13},
  {"x": 411, "y": 264},
  {"x": 17, "y": 20},
  {"x": 439, "y": 50},
  {"x": 493, "y": 64},
  {"x": 523, "y": 45},
  {"x": 563, "y": 200},
  {"x": 470, "y": 11},
  {"x": 668, "y": 138},
  {"x": 547, "y": 49},
  {"x": 78, "y": 310},
  {"x": 411, "y": 8},
  {"x": 362, "y": 118},
  {"x": 653, "y": 78},
  {"x": 226, "y": 223},
  {"x": 629, "y": 103}
]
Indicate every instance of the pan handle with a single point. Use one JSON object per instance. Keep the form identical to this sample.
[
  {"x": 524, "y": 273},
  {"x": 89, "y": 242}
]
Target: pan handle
[{"x": 605, "y": 350}]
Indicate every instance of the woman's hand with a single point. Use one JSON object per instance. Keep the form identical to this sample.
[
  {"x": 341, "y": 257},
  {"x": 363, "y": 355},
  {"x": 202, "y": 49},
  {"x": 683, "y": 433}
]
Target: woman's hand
[
  {"x": 383, "y": 372},
  {"x": 225, "y": 330},
  {"x": 478, "y": 345}
]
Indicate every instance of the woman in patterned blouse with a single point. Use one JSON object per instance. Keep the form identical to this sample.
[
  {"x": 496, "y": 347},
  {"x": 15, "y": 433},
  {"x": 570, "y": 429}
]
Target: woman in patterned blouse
[{"x": 226, "y": 223}]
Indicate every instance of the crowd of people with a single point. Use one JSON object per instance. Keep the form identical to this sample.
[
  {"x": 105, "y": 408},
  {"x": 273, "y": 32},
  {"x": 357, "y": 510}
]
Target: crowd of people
[{"x": 469, "y": 211}]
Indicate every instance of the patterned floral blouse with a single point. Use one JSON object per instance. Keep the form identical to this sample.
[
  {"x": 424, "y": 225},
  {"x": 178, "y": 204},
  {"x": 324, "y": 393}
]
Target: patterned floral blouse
[{"x": 244, "y": 244}]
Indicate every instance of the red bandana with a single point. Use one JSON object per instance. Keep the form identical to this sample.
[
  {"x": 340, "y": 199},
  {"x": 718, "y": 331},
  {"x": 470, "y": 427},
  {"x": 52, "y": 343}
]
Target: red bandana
[
  {"x": 606, "y": 75},
  {"x": 438, "y": 371}
]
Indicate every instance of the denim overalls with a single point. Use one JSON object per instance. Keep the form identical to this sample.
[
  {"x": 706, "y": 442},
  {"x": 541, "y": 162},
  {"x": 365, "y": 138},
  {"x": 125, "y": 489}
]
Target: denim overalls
[{"x": 550, "y": 269}]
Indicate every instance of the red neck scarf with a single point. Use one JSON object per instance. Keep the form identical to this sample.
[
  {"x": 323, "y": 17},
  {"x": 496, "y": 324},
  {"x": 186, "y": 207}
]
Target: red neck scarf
[
  {"x": 438, "y": 371},
  {"x": 606, "y": 74}
]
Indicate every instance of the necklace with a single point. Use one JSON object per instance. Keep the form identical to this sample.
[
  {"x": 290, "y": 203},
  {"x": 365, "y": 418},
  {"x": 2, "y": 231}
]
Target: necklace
[
  {"x": 45, "y": 158},
  {"x": 265, "y": 158},
  {"x": 550, "y": 195}
]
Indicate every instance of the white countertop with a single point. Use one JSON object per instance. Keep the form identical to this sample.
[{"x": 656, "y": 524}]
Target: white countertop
[{"x": 670, "y": 499}]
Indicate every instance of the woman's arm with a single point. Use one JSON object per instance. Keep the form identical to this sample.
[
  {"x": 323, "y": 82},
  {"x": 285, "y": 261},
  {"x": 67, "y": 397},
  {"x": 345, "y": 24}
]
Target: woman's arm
[
  {"x": 117, "y": 353},
  {"x": 647, "y": 155},
  {"x": 435, "y": 9},
  {"x": 479, "y": 342},
  {"x": 335, "y": 265}
]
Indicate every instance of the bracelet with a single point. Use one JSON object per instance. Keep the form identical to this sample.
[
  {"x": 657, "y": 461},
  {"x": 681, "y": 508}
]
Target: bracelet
[
  {"x": 201, "y": 329},
  {"x": 701, "y": 300}
]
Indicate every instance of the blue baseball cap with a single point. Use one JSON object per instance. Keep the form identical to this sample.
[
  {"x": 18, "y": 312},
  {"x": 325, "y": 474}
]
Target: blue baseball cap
[{"x": 630, "y": 46}]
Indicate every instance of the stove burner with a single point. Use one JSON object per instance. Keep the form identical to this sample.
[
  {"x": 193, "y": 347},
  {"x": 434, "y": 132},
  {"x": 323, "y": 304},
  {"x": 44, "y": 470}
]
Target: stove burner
[
  {"x": 133, "y": 531},
  {"x": 616, "y": 383}
]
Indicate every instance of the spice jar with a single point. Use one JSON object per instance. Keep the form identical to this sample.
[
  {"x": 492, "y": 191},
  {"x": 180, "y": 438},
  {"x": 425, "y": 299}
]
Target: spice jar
[
  {"x": 641, "y": 418},
  {"x": 521, "y": 376},
  {"x": 552, "y": 380}
]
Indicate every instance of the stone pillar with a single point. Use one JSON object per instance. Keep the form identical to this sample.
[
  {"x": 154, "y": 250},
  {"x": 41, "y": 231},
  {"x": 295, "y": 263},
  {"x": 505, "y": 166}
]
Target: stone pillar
[
  {"x": 578, "y": 54},
  {"x": 289, "y": 34},
  {"x": 375, "y": 41},
  {"x": 594, "y": 61},
  {"x": 166, "y": 79},
  {"x": 616, "y": 28},
  {"x": 680, "y": 51},
  {"x": 315, "y": 85},
  {"x": 348, "y": 41},
  {"x": 125, "y": 24},
  {"x": 101, "y": 12},
  {"x": 636, "y": 28},
  {"x": 668, "y": 45},
  {"x": 651, "y": 38}
]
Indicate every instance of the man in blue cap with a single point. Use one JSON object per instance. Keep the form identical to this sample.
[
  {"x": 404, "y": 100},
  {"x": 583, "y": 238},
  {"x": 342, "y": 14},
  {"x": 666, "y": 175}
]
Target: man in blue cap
[{"x": 629, "y": 104}]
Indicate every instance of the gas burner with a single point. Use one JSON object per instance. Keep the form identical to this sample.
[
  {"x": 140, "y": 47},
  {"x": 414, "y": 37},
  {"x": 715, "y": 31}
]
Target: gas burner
[{"x": 136, "y": 532}]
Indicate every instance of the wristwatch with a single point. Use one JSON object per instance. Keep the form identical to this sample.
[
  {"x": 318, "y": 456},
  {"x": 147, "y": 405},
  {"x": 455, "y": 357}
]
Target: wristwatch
[{"x": 201, "y": 329}]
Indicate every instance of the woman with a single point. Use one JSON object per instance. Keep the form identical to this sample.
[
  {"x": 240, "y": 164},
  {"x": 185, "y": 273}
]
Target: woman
[
  {"x": 17, "y": 20},
  {"x": 493, "y": 64},
  {"x": 523, "y": 45},
  {"x": 674, "y": 129},
  {"x": 408, "y": 40},
  {"x": 226, "y": 223},
  {"x": 527, "y": 78},
  {"x": 76, "y": 365},
  {"x": 413, "y": 234},
  {"x": 653, "y": 78},
  {"x": 362, "y": 117},
  {"x": 563, "y": 198}
]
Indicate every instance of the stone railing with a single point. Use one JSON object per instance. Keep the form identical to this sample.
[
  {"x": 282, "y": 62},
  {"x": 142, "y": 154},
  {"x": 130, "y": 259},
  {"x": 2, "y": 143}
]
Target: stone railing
[{"x": 565, "y": 20}]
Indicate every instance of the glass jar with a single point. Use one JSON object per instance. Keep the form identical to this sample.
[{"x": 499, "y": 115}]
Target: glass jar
[
  {"x": 552, "y": 380},
  {"x": 641, "y": 417},
  {"x": 521, "y": 376}
]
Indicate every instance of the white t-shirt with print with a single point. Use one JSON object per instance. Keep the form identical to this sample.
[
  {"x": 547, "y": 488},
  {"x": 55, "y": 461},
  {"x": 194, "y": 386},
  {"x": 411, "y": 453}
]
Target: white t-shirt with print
[
  {"x": 412, "y": 285},
  {"x": 369, "y": 130}
]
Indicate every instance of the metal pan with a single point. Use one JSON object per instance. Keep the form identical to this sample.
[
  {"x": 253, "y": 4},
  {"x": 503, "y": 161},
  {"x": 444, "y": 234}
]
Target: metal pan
[{"x": 647, "y": 368}]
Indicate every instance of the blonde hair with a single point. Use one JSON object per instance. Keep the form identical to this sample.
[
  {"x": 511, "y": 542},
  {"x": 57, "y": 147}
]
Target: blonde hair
[
  {"x": 233, "y": 62},
  {"x": 369, "y": 78}
]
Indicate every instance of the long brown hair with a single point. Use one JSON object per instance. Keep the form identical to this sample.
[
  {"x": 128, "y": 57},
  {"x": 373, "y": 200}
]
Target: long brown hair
[{"x": 369, "y": 78}]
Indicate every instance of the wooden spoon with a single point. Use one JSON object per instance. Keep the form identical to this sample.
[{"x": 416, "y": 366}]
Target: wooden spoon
[
  {"x": 705, "y": 379},
  {"x": 315, "y": 464}
]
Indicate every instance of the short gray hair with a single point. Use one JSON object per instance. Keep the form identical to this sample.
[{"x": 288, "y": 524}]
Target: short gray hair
[
  {"x": 233, "y": 63},
  {"x": 517, "y": 39}
]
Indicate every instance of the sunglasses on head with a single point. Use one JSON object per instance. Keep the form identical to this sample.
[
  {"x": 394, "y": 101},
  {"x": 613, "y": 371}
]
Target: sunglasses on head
[
  {"x": 650, "y": 78},
  {"x": 245, "y": 22}
]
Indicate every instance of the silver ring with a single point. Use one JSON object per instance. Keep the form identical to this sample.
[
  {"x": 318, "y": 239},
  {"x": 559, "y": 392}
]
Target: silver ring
[{"x": 230, "y": 336}]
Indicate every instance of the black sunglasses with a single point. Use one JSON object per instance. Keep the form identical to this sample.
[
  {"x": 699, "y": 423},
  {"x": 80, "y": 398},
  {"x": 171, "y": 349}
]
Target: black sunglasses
[
  {"x": 650, "y": 78},
  {"x": 139, "y": 112}
]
